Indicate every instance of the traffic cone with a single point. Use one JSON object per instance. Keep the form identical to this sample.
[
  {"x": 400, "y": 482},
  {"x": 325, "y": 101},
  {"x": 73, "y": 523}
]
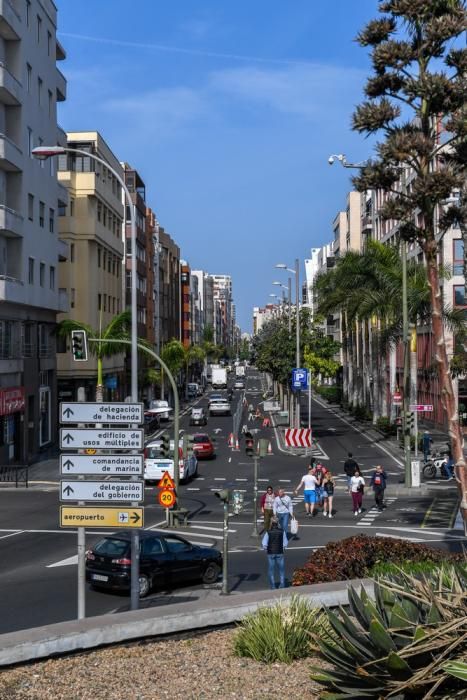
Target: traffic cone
[
  {"x": 237, "y": 445},
  {"x": 269, "y": 449},
  {"x": 231, "y": 440}
]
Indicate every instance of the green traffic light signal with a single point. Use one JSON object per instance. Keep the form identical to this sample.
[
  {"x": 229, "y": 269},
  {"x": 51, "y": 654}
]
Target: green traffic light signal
[{"x": 79, "y": 347}]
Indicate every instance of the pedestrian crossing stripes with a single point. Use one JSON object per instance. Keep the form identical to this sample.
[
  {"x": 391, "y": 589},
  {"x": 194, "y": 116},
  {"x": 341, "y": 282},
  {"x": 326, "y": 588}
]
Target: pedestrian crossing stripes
[{"x": 369, "y": 517}]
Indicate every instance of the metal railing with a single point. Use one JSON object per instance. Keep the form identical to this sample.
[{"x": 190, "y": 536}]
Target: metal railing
[{"x": 16, "y": 473}]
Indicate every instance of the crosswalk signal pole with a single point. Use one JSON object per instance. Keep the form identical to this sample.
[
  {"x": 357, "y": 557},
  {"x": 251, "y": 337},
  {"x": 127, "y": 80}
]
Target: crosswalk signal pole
[{"x": 255, "y": 532}]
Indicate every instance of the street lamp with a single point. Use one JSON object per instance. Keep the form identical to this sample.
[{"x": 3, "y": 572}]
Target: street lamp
[
  {"x": 42, "y": 153},
  {"x": 296, "y": 272},
  {"x": 340, "y": 158},
  {"x": 289, "y": 299}
]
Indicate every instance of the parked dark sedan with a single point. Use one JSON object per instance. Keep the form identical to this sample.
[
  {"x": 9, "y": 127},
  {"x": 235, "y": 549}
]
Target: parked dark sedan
[{"x": 165, "y": 561}]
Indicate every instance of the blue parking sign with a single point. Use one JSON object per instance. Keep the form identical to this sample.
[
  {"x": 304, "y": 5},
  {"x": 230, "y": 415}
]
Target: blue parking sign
[{"x": 300, "y": 378}]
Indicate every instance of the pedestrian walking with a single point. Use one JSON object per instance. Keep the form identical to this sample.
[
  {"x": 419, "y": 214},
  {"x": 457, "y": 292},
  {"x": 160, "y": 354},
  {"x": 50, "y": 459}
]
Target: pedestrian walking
[
  {"x": 448, "y": 465},
  {"x": 357, "y": 487},
  {"x": 378, "y": 482},
  {"x": 427, "y": 441},
  {"x": 309, "y": 483},
  {"x": 318, "y": 472},
  {"x": 267, "y": 509},
  {"x": 274, "y": 543},
  {"x": 251, "y": 413},
  {"x": 350, "y": 465},
  {"x": 328, "y": 493},
  {"x": 282, "y": 508}
]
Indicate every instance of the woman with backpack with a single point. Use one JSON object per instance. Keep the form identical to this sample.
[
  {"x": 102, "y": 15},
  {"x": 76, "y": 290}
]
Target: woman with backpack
[
  {"x": 328, "y": 493},
  {"x": 357, "y": 487}
]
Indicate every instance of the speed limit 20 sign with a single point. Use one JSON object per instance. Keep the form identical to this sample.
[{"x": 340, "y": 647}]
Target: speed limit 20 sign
[{"x": 166, "y": 498}]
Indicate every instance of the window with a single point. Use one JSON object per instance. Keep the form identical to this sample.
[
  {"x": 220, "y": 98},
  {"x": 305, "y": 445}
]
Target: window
[
  {"x": 104, "y": 260},
  {"x": 175, "y": 545},
  {"x": 459, "y": 295},
  {"x": 41, "y": 214},
  {"x": 41, "y": 274},
  {"x": 99, "y": 302},
  {"x": 61, "y": 207},
  {"x": 105, "y": 302},
  {"x": 6, "y": 349},
  {"x": 151, "y": 546},
  {"x": 99, "y": 211},
  {"x": 109, "y": 264},
  {"x": 31, "y": 271},
  {"x": 458, "y": 257},
  {"x": 104, "y": 218},
  {"x": 72, "y": 297},
  {"x": 30, "y": 142},
  {"x": 51, "y": 102},
  {"x": 49, "y": 42},
  {"x": 51, "y": 220},
  {"x": 29, "y": 76},
  {"x": 41, "y": 162},
  {"x": 72, "y": 207},
  {"x": 39, "y": 90},
  {"x": 72, "y": 252},
  {"x": 31, "y": 207},
  {"x": 52, "y": 277},
  {"x": 98, "y": 257},
  {"x": 28, "y": 12},
  {"x": 39, "y": 29}
]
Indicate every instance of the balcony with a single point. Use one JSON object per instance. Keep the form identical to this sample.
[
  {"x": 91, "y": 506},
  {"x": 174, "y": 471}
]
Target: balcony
[
  {"x": 63, "y": 250},
  {"x": 367, "y": 223},
  {"x": 61, "y": 87},
  {"x": 10, "y": 88},
  {"x": 10, "y": 21},
  {"x": 11, "y": 157},
  {"x": 11, "y": 289},
  {"x": 11, "y": 223}
]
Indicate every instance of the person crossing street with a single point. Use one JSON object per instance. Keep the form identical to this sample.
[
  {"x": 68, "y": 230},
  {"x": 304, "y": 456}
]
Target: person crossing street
[
  {"x": 274, "y": 543},
  {"x": 282, "y": 508},
  {"x": 310, "y": 483},
  {"x": 378, "y": 482}
]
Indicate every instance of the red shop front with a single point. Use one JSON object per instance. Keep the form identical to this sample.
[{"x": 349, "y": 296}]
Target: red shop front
[{"x": 12, "y": 402}]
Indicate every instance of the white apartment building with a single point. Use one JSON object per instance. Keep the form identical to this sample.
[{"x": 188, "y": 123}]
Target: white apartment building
[{"x": 30, "y": 250}]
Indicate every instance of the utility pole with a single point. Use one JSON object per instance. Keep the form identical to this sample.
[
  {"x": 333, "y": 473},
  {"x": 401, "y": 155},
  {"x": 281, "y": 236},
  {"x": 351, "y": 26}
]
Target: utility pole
[
  {"x": 297, "y": 339},
  {"x": 255, "y": 532},
  {"x": 406, "y": 377}
]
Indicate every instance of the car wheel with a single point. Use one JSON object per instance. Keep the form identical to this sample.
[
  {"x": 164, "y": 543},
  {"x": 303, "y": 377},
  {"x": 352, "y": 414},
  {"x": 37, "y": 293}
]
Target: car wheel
[
  {"x": 211, "y": 573},
  {"x": 144, "y": 585}
]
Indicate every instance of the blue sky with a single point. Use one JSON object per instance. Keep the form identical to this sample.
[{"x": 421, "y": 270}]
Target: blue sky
[{"x": 229, "y": 110}]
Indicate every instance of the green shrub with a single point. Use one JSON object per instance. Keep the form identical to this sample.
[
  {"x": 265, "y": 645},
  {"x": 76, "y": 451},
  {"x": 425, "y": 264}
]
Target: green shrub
[
  {"x": 413, "y": 568},
  {"x": 384, "y": 424},
  {"x": 359, "y": 412},
  {"x": 280, "y": 632},
  {"x": 329, "y": 393},
  {"x": 355, "y": 557}
]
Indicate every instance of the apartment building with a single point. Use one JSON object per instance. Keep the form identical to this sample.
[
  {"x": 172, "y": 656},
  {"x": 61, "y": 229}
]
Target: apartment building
[
  {"x": 205, "y": 293},
  {"x": 186, "y": 298},
  {"x": 152, "y": 233},
  {"x": 30, "y": 249},
  {"x": 92, "y": 275},
  {"x": 222, "y": 290},
  {"x": 169, "y": 288}
]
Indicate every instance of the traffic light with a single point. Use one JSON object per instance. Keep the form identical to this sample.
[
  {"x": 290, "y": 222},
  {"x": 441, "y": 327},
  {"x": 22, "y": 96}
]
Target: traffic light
[
  {"x": 410, "y": 421},
  {"x": 249, "y": 445},
  {"x": 165, "y": 445},
  {"x": 188, "y": 441},
  {"x": 79, "y": 346},
  {"x": 223, "y": 495}
]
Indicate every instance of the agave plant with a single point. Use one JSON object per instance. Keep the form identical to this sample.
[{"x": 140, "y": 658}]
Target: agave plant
[{"x": 398, "y": 645}]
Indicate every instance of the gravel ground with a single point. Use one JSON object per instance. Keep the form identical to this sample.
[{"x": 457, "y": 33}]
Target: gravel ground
[{"x": 188, "y": 668}]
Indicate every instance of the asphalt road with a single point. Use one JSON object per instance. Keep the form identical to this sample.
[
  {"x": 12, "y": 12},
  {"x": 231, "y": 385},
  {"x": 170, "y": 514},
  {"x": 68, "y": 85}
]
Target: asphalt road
[{"x": 38, "y": 582}]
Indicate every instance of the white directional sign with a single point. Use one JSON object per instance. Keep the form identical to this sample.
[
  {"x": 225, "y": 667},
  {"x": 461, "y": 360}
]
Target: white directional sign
[
  {"x": 115, "y": 491},
  {"x": 101, "y": 439},
  {"x": 113, "y": 465},
  {"x": 121, "y": 413}
]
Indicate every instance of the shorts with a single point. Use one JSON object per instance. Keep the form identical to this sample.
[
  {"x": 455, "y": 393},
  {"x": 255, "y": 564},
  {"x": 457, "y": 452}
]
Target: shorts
[{"x": 309, "y": 496}]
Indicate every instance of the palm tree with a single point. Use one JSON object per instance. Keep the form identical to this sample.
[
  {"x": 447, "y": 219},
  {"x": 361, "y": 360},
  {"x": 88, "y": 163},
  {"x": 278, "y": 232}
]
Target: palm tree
[
  {"x": 173, "y": 354},
  {"x": 117, "y": 329}
]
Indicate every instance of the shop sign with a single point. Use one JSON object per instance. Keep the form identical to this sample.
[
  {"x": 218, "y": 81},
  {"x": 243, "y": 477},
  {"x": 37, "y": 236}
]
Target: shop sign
[{"x": 11, "y": 400}]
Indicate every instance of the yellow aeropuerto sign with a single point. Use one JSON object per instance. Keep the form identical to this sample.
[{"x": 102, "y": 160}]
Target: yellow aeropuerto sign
[{"x": 82, "y": 516}]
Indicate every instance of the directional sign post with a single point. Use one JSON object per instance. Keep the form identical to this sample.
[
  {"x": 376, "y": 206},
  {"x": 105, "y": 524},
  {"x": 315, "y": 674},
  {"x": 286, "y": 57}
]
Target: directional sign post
[
  {"x": 102, "y": 439},
  {"x": 116, "y": 491},
  {"x": 111, "y": 465},
  {"x": 120, "y": 413},
  {"x": 82, "y": 516}
]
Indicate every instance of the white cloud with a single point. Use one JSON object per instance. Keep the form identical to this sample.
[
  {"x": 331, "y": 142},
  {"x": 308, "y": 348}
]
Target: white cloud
[{"x": 304, "y": 90}]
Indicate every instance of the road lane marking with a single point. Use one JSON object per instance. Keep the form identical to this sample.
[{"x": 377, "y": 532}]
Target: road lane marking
[
  {"x": 11, "y": 534},
  {"x": 64, "y": 562},
  {"x": 190, "y": 488}
]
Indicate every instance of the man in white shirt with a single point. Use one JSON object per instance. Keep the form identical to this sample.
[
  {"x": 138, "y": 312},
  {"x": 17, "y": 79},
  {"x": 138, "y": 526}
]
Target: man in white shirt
[{"x": 309, "y": 482}]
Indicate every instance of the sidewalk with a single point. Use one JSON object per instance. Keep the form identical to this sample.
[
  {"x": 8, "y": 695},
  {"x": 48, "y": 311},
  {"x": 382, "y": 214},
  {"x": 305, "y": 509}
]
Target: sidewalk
[{"x": 202, "y": 609}]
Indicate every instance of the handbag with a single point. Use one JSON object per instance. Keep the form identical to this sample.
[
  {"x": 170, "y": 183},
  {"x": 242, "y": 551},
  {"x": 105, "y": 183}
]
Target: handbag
[{"x": 294, "y": 526}]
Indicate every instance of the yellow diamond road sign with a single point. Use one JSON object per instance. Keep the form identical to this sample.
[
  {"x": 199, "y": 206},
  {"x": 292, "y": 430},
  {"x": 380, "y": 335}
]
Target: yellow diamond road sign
[{"x": 82, "y": 516}]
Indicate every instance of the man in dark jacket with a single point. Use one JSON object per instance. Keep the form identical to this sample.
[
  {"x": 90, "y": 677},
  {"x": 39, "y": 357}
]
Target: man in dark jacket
[
  {"x": 378, "y": 482},
  {"x": 350, "y": 465},
  {"x": 274, "y": 543}
]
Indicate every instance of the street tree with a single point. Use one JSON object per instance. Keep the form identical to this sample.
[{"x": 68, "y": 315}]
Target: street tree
[
  {"x": 415, "y": 99},
  {"x": 117, "y": 329}
]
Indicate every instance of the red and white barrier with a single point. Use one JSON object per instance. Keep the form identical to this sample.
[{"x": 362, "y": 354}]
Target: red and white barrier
[{"x": 298, "y": 437}]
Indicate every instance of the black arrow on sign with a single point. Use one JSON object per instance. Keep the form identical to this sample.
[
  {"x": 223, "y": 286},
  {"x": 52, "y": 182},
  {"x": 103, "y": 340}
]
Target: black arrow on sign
[
  {"x": 135, "y": 518},
  {"x": 67, "y": 490},
  {"x": 68, "y": 412},
  {"x": 68, "y": 464},
  {"x": 68, "y": 438}
]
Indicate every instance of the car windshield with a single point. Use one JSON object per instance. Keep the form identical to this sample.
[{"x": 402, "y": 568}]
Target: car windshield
[
  {"x": 154, "y": 452},
  {"x": 110, "y": 547},
  {"x": 201, "y": 438},
  {"x": 196, "y": 412}
]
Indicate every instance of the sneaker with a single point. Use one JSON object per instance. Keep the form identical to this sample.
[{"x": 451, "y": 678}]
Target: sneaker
[
  {"x": 324, "y": 513},
  {"x": 330, "y": 515},
  {"x": 359, "y": 510},
  {"x": 356, "y": 512}
]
